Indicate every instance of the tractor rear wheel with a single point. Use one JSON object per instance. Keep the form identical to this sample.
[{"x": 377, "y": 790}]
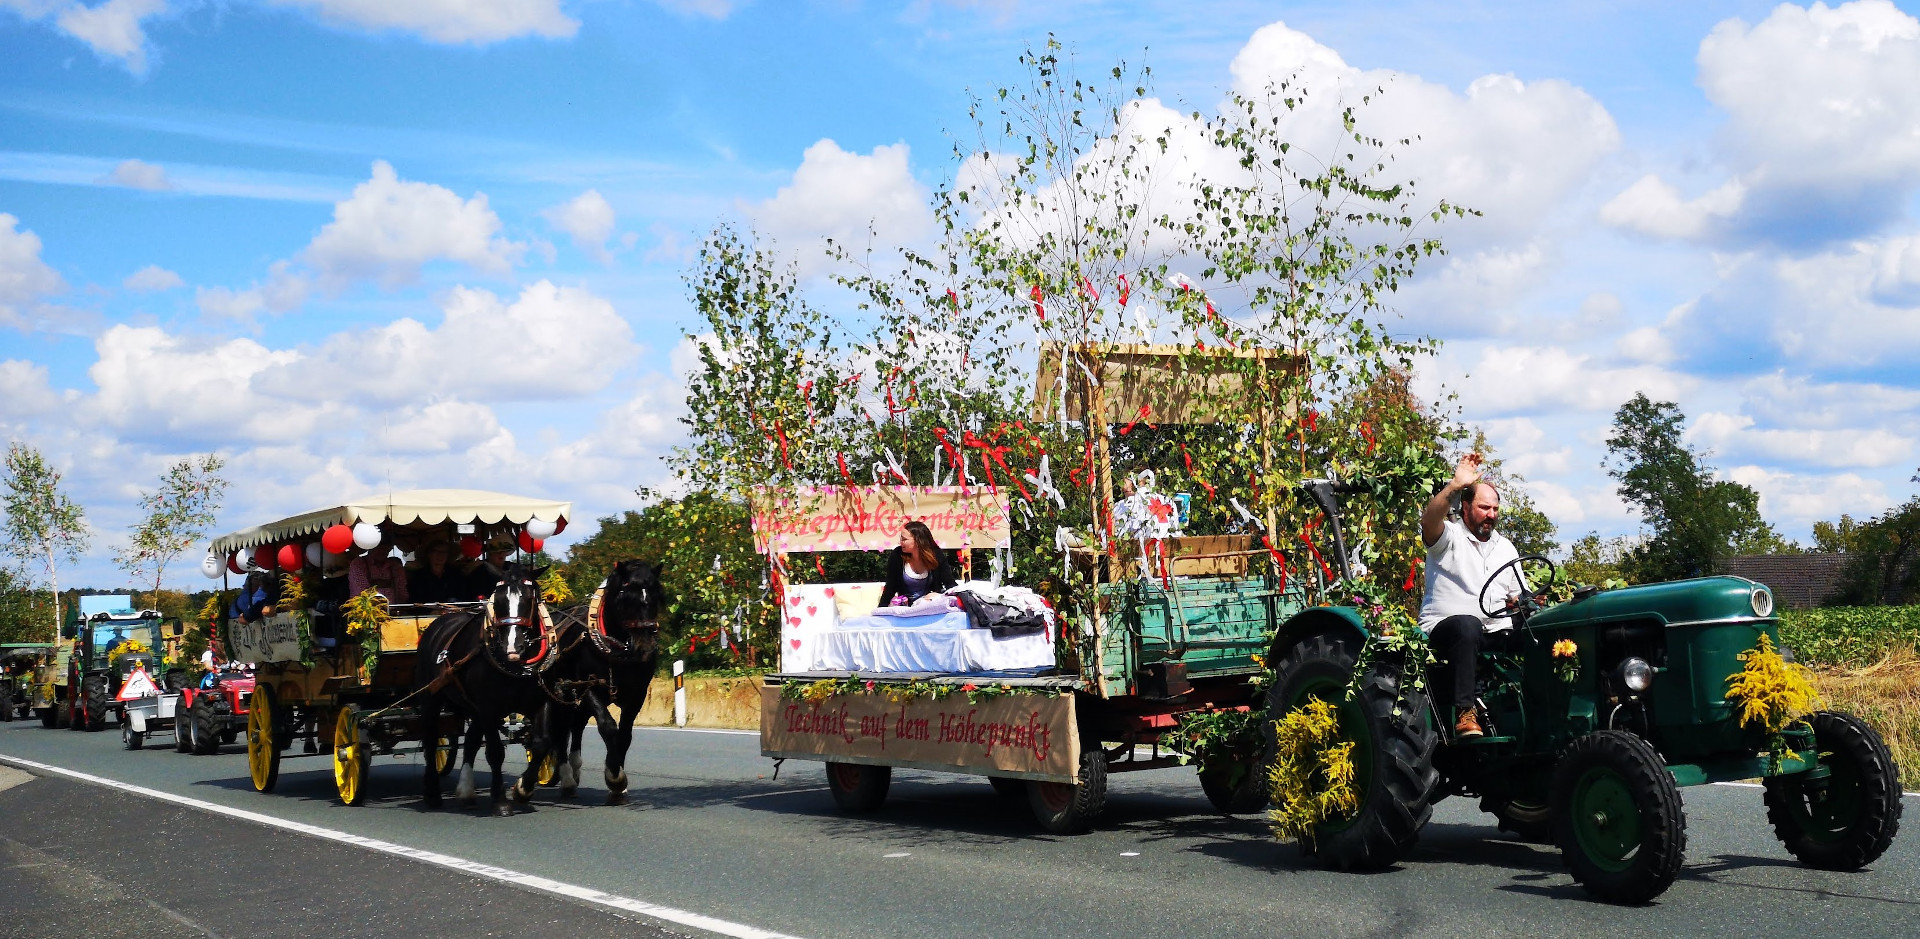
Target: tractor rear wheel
[
  {"x": 1242, "y": 796},
  {"x": 1393, "y": 753},
  {"x": 1070, "y": 808},
  {"x": 206, "y": 736},
  {"x": 857, "y": 787},
  {"x": 1617, "y": 817},
  {"x": 1846, "y": 821},
  {"x": 94, "y": 700}
]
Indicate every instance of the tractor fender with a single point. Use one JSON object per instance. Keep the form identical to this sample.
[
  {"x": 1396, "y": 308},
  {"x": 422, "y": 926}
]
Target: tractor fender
[{"x": 1342, "y": 621}]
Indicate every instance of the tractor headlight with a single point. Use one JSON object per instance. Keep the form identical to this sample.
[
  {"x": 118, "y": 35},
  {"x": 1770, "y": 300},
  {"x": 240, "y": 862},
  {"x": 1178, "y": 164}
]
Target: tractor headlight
[
  {"x": 1636, "y": 674},
  {"x": 1762, "y": 601}
]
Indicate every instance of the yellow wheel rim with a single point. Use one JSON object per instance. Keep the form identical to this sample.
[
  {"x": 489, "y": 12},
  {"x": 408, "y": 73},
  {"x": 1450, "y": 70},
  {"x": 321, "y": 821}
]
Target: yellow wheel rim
[
  {"x": 443, "y": 757},
  {"x": 349, "y": 755},
  {"x": 260, "y": 742},
  {"x": 547, "y": 768}
]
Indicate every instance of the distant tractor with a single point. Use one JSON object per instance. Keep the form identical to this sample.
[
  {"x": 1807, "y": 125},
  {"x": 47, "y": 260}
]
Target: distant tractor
[{"x": 107, "y": 647}]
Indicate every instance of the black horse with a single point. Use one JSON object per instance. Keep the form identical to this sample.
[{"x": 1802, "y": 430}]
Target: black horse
[
  {"x": 484, "y": 666},
  {"x": 608, "y": 659}
]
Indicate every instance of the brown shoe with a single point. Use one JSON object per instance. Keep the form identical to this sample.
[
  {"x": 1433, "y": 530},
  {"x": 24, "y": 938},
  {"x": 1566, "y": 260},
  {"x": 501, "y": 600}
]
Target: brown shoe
[{"x": 1468, "y": 725}]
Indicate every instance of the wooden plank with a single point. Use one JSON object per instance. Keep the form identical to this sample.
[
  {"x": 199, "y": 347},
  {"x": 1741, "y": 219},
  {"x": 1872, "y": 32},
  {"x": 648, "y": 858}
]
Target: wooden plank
[{"x": 1028, "y": 736}]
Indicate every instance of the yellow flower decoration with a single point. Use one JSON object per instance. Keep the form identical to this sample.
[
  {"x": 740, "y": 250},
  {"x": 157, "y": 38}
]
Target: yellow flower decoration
[
  {"x": 1769, "y": 690},
  {"x": 1565, "y": 649},
  {"x": 1313, "y": 773}
]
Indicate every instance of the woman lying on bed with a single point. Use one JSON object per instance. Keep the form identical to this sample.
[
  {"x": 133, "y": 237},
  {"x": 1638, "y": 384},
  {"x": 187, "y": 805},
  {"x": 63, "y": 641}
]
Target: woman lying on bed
[{"x": 916, "y": 568}]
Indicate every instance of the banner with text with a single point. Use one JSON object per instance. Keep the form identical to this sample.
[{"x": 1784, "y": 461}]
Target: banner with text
[
  {"x": 273, "y": 639},
  {"x": 836, "y": 518},
  {"x": 1026, "y": 734}
]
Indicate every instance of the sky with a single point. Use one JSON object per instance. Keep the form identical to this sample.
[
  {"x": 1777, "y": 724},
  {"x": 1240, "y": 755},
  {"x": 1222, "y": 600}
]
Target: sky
[{"x": 358, "y": 244}]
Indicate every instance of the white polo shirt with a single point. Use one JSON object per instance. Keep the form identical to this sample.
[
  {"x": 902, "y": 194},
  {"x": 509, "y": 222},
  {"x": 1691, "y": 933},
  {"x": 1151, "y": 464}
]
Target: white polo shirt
[{"x": 1458, "y": 565}]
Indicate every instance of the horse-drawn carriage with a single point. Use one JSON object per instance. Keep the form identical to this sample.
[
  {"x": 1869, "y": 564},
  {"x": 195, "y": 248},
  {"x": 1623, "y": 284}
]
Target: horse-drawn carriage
[{"x": 336, "y": 670}]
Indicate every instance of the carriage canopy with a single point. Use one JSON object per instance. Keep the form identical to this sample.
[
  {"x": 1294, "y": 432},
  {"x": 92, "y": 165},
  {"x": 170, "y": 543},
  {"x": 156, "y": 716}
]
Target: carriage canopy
[{"x": 413, "y": 507}]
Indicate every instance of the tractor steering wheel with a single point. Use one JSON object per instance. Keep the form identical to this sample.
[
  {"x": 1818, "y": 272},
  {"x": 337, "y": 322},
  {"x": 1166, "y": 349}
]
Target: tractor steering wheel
[{"x": 1527, "y": 602}]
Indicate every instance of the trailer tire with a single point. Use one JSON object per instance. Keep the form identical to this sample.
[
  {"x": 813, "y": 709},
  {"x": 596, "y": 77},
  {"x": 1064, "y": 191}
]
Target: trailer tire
[
  {"x": 1529, "y": 821},
  {"x": 1394, "y": 750},
  {"x": 6, "y": 709},
  {"x": 130, "y": 738},
  {"x": 49, "y": 717},
  {"x": 1856, "y": 818},
  {"x": 1244, "y": 797},
  {"x": 1006, "y": 787},
  {"x": 858, "y": 788},
  {"x": 1070, "y": 808}
]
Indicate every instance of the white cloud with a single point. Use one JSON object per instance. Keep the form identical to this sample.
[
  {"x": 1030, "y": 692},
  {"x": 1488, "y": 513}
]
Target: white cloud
[
  {"x": 588, "y": 219},
  {"x": 1896, "y": 276},
  {"x": 24, "y": 278},
  {"x": 1653, "y": 207},
  {"x": 24, "y": 389},
  {"x": 153, "y": 278},
  {"x": 837, "y": 194},
  {"x": 440, "y": 427},
  {"x": 550, "y": 342},
  {"x": 473, "y": 22},
  {"x": 1827, "y": 309},
  {"x": 283, "y": 291},
  {"x": 1736, "y": 435},
  {"x": 1513, "y": 380},
  {"x": 1797, "y": 500},
  {"x": 112, "y": 29},
  {"x": 1509, "y": 148},
  {"x": 1788, "y": 400},
  {"x": 390, "y": 228},
  {"x": 156, "y": 385},
  {"x": 136, "y": 174},
  {"x": 711, "y": 9}
]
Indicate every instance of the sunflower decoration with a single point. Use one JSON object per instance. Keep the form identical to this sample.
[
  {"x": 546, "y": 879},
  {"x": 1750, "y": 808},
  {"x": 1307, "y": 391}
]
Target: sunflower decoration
[{"x": 1566, "y": 660}]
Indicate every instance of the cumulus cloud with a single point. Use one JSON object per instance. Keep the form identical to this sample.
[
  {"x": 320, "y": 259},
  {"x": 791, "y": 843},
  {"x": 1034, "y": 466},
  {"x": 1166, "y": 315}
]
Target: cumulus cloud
[
  {"x": 113, "y": 29},
  {"x": 153, "y": 278},
  {"x": 24, "y": 278},
  {"x": 588, "y": 219},
  {"x": 135, "y": 174},
  {"x": 1510, "y": 148},
  {"x": 1654, "y": 207},
  {"x": 154, "y": 384},
  {"x": 390, "y": 228},
  {"x": 283, "y": 291},
  {"x": 1516, "y": 380},
  {"x": 440, "y": 427},
  {"x": 838, "y": 194},
  {"x": 24, "y": 389},
  {"x": 550, "y": 342},
  {"x": 1800, "y": 499},
  {"x": 1737, "y": 436},
  {"x": 467, "y": 22}
]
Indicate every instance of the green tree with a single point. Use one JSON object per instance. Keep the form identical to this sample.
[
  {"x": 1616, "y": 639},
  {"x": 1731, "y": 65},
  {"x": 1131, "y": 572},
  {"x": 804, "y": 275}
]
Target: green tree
[
  {"x": 44, "y": 527},
  {"x": 178, "y": 513},
  {"x": 1594, "y": 560},
  {"x": 23, "y": 610},
  {"x": 1694, "y": 520},
  {"x": 1838, "y": 537},
  {"x": 1885, "y": 563}
]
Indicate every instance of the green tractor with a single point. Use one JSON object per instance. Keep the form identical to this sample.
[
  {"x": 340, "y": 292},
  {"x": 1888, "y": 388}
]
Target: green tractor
[{"x": 1587, "y": 749}]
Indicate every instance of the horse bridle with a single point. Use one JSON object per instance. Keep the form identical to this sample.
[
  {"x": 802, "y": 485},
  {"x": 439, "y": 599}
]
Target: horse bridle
[
  {"x": 622, "y": 650},
  {"x": 491, "y": 624}
]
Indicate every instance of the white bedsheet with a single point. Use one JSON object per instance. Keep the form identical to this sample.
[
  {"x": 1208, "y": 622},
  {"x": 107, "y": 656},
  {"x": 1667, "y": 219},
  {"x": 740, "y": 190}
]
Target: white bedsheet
[{"x": 926, "y": 644}]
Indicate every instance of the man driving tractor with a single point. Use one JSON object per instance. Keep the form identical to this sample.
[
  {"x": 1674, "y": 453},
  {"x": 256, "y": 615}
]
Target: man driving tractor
[{"x": 1460, "y": 556}]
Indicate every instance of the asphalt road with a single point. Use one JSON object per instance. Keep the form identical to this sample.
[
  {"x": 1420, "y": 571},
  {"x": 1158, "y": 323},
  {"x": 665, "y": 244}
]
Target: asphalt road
[{"x": 709, "y": 832}]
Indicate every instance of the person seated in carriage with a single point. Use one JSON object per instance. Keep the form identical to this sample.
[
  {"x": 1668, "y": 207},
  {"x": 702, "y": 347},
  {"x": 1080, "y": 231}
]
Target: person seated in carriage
[
  {"x": 379, "y": 571},
  {"x": 487, "y": 572},
  {"x": 916, "y": 567},
  {"x": 436, "y": 580},
  {"x": 258, "y": 594},
  {"x": 1461, "y": 555}
]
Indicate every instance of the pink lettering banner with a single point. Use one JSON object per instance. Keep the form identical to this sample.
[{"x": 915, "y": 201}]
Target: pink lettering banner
[
  {"x": 1023, "y": 735},
  {"x": 869, "y": 518}
]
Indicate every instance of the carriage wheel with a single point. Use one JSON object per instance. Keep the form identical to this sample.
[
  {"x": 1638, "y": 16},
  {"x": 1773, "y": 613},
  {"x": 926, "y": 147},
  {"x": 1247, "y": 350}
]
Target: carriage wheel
[
  {"x": 548, "y": 768},
  {"x": 350, "y": 756},
  {"x": 443, "y": 759},
  {"x": 263, "y": 752}
]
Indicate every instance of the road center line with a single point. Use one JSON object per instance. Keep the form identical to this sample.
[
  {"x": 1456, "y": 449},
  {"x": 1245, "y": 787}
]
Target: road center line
[{"x": 473, "y": 868}]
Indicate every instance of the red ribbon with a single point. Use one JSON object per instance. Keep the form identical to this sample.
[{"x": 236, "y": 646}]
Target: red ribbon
[
  {"x": 1039, "y": 309},
  {"x": 1413, "y": 573},
  {"x": 953, "y": 455},
  {"x": 1125, "y": 290}
]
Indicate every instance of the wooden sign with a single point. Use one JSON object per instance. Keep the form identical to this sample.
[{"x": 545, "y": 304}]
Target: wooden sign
[
  {"x": 1023, "y": 736},
  {"x": 869, "y": 518},
  {"x": 273, "y": 639}
]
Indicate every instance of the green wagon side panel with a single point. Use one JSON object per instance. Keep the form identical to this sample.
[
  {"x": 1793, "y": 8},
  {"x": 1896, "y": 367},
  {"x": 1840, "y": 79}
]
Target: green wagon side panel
[{"x": 1216, "y": 625}]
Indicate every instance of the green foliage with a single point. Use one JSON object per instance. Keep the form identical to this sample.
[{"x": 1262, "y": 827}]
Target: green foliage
[
  {"x": 1849, "y": 636},
  {"x": 1594, "y": 560},
  {"x": 23, "y": 610},
  {"x": 1695, "y": 521},
  {"x": 44, "y": 527},
  {"x": 178, "y": 513},
  {"x": 1838, "y": 537},
  {"x": 1885, "y": 562}
]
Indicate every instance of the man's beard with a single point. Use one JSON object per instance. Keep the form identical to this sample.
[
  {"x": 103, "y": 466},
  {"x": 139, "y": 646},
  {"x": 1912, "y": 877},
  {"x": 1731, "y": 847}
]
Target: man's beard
[{"x": 1481, "y": 529}]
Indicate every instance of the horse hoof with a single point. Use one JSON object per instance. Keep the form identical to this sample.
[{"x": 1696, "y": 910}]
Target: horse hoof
[
  {"x": 616, "y": 798},
  {"x": 520, "y": 797},
  {"x": 504, "y": 810}
]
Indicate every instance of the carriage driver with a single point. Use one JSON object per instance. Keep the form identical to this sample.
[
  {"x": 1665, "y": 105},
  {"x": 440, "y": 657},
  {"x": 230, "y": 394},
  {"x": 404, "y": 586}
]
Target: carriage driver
[{"x": 1460, "y": 556}]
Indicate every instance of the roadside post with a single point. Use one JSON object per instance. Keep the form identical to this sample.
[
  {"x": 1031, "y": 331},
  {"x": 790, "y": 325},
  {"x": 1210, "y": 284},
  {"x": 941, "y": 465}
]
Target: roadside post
[{"x": 679, "y": 692}]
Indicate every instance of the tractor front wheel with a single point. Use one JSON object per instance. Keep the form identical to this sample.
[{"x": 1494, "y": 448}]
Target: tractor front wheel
[
  {"x": 1845, "y": 821},
  {"x": 206, "y": 736},
  {"x": 1617, "y": 817},
  {"x": 1393, "y": 750},
  {"x": 857, "y": 787}
]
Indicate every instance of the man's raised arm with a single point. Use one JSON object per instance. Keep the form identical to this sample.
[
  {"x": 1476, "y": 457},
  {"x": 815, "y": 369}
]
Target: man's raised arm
[{"x": 1433, "y": 518}]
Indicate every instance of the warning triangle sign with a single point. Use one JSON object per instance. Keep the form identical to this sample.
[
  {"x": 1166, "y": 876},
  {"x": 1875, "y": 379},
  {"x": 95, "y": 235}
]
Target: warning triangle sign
[{"x": 138, "y": 686}]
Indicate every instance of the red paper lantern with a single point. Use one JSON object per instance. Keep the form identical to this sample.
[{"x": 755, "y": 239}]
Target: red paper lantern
[
  {"x": 291, "y": 557},
  {"x": 470, "y": 547},
  {"x": 263, "y": 557},
  {"x": 337, "y": 539},
  {"x": 559, "y": 525},
  {"x": 236, "y": 562},
  {"x": 529, "y": 543}
]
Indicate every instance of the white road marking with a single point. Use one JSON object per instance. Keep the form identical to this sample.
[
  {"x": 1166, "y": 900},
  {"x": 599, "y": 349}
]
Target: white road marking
[
  {"x": 701, "y": 730},
  {"x": 899, "y": 854},
  {"x": 1748, "y": 785},
  {"x": 1129, "y": 854},
  {"x": 474, "y": 868}
]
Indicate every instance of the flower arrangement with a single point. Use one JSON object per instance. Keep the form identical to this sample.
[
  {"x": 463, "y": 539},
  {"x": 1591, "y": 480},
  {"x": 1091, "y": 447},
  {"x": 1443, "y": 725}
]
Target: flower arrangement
[
  {"x": 127, "y": 646},
  {"x": 1772, "y": 693},
  {"x": 367, "y": 616},
  {"x": 1392, "y": 632},
  {"x": 902, "y": 692},
  {"x": 553, "y": 587},
  {"x": 1566, "y": 660},
  {"x": 1312, "y": 774}
]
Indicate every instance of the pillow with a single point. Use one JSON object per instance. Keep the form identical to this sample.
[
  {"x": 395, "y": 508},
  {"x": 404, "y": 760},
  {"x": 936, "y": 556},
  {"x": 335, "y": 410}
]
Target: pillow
[{"x": 857, "y": 599}]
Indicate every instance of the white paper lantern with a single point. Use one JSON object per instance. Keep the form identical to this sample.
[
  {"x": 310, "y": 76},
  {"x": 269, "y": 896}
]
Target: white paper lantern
[
  {"x": 212, "y": 567},
  {"x": 366, "y": 535},
  {"x": 541, "y": 528},
  {"x": 314, "y": 553}
]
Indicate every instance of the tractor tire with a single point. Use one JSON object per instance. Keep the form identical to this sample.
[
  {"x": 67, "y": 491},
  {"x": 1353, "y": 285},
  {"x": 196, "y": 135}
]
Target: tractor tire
[
  {"x": 858, "y": 788},
  {"x": 129, "y": 738},
  {"x": 1617, "y": 817},
  {"x": 49, "y": 717},
  {"x": 1529, "y": 821},
  {"x": 182, "y": 729},
  {"x": 95, "y": 699},
  {"x": 1848, "y": 822},
  {"x": 206, "y": 733},
  {"x": 1244, "y": 796},
  {"x": 6, "y": 709},
  {"x": 1070, "y": 808},
  {"x": 1394, "y": 749}
]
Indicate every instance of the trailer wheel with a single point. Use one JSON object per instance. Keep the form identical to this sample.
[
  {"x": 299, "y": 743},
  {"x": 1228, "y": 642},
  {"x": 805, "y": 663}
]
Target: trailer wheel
[
  {"x": 1242, "y": 796},
  {"x": 1530, "y": 821},
  {"x": 1617, "y": 817},
  {"x": 129, "y": 738},
  {"x": 1393, "y": 752},
  {"x": 350, "y": 755},
  {"x": 1070, "y": 808},
  {"x": 1845, "y": 822},
  {"x": 263, "y": 754},
  {"x": 206, "y": 738},
  {"x": 6, "y": 707},
  {"x": 1007, "y": 787},
  {"x": 857, "y": 787}
]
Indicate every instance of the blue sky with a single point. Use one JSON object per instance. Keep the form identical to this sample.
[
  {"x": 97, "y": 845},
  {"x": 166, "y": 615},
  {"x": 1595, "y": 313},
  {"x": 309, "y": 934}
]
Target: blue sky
[{"x": 347, "y": 242}]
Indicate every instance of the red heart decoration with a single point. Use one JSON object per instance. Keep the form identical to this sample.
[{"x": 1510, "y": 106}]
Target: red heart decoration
[
  {"x": 795, "y": 620},
  {"x": 811, "y": 609},
  {"x": 796, "y": 643},
  {"x": 794, "y": 599},
  {"x": 828, "y": 591}
]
